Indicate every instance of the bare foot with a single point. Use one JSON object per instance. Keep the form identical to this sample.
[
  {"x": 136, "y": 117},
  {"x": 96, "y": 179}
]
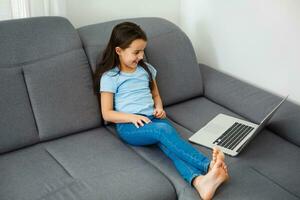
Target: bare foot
[
  {"x": 217, "y": 154},
  {"x": 208, "y": 184}
]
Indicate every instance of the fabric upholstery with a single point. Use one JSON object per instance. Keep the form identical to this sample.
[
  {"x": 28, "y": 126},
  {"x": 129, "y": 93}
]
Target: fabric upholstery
[
  {"x": 90, "y": 165},
  {"x": 247, "y": 182},
  {"x": 109, "y": 168},
  {"x": 31, "y": 174},
  {"x": 276, "y": 159},
  {"x": 23, "y": 41},
  {"x": 61, "y": 93},
  {"x": 197, "y": 112},
  {"x": 17, "y": 124}
]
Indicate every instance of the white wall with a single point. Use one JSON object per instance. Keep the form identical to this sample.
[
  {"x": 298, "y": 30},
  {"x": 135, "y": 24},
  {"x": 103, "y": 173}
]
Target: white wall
[
  {"x": 47, "y": 7},
  {"x": 94, "y": 11},
  {"x": 257, "y": 41},
  {"x": 5, "y": 10}
]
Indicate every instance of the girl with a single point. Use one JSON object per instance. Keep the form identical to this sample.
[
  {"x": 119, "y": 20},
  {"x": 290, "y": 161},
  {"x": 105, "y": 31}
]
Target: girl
[{"x": 130, "y": 98}]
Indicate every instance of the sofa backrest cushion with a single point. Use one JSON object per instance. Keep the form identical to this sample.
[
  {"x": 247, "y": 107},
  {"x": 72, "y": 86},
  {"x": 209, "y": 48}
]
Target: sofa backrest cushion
[
  {"x": 168, "y": 50},
  {"x": 46, "y": 83},
  {"x": 17, "y": 124}
]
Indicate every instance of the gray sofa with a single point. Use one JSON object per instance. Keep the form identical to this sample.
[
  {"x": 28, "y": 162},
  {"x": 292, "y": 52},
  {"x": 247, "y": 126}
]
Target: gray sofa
[{"x": 55, "y": 145}]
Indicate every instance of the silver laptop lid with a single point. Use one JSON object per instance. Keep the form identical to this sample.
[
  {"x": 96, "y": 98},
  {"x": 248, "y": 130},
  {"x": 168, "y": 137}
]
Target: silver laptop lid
[
  {"x": 268, "y": 117},
  {"x": 263, "y": 123}
]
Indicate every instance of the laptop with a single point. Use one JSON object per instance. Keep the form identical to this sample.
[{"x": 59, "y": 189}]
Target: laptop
[{"x": 230, "y": 134}]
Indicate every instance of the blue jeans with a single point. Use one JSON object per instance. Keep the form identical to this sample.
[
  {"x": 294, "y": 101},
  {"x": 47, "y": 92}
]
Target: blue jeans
[{"x": 187, "y": 160}]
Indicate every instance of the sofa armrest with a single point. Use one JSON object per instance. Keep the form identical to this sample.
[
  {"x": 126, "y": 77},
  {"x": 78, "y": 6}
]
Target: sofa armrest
[{"x": 252, "y": 103}]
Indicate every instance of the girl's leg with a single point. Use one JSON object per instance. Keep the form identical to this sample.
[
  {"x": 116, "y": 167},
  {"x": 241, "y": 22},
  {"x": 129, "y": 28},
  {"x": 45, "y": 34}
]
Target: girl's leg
[
  {"x": 184, "y": 158},
  {"x": 171, "y": 139},
  {"x": 187, "y": 171},
  {"x": 161, "y": 131}
]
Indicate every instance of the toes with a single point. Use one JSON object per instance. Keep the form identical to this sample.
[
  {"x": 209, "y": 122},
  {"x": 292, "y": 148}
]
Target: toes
[
  {"x": 220, "y": 155},
  {"x": 216, "y": 149},
  {"x": 215, "y": 152},
  {"x": 211, "y": 165},
  {"x": 214, "y": 158},
  {"x": 225, "y": 167}
]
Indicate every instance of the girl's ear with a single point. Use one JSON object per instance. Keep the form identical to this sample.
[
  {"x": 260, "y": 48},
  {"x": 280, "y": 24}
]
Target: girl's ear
[{"x": 118, "y": 50}]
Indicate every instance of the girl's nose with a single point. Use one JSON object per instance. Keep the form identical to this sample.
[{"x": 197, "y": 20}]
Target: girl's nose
[{"x": 140, "y": 57}]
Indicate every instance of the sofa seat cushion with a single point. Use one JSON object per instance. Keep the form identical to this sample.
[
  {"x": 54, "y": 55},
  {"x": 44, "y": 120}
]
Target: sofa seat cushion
[
  {"x": 88, "y": 165},
  {"x": 268, "y": 153},
  {"x": 275, "y": 158},
  {"x": 246, "y": 182},
  {"x": 195, "y": 113},
  {"x": 32, "y": 173}
]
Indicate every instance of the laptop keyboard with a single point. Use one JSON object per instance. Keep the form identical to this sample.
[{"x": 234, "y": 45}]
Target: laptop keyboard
[{"x": 233, "y": 136}]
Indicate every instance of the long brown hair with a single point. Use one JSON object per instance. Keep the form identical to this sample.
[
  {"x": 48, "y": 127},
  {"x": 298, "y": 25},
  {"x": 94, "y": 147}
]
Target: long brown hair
[{"x": 122, "y": 36}]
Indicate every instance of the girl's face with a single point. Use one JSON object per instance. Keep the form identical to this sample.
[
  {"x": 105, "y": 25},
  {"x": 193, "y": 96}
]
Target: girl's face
[{"x": 130, "y": 57}]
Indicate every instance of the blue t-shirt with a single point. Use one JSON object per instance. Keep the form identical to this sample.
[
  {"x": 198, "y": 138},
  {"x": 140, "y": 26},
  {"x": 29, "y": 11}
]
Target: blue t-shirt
[{"x": 131, "y": 90}]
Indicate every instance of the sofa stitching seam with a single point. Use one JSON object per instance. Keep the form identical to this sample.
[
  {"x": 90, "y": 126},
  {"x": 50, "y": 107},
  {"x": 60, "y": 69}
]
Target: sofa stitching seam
[
  {"x": 60, "y": 164},
  {"x": 149, "y": 38},
  {"x": 30, "y": 103},
  {"x": 40, "y": 59}
]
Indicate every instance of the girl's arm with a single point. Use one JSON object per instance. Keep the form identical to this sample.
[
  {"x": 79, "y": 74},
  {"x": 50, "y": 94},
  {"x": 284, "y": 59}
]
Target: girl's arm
[
  {"x": 156, "y": 97},
  {"x": 158, "y": 106},
  {"x": 110, "y": 115}
]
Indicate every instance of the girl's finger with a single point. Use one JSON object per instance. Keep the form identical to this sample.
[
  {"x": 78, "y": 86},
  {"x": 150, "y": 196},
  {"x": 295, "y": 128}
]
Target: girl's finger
[
  {"x": 146, "y": 120},
  {"x": 161, "y": 114},
  {"x": 136, "y": 124},
  {"x": 140, "y": 122}
]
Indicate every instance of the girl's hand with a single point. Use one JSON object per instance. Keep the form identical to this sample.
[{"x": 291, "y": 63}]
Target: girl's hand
[
  {"x": 159, "y": 113},
  {"x": 139, "y": 120}
]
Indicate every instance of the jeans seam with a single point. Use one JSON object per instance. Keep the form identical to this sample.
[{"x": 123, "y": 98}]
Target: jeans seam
[
  {"x": 191, "y": 171},
  {"x": 186, "y": 155}
]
